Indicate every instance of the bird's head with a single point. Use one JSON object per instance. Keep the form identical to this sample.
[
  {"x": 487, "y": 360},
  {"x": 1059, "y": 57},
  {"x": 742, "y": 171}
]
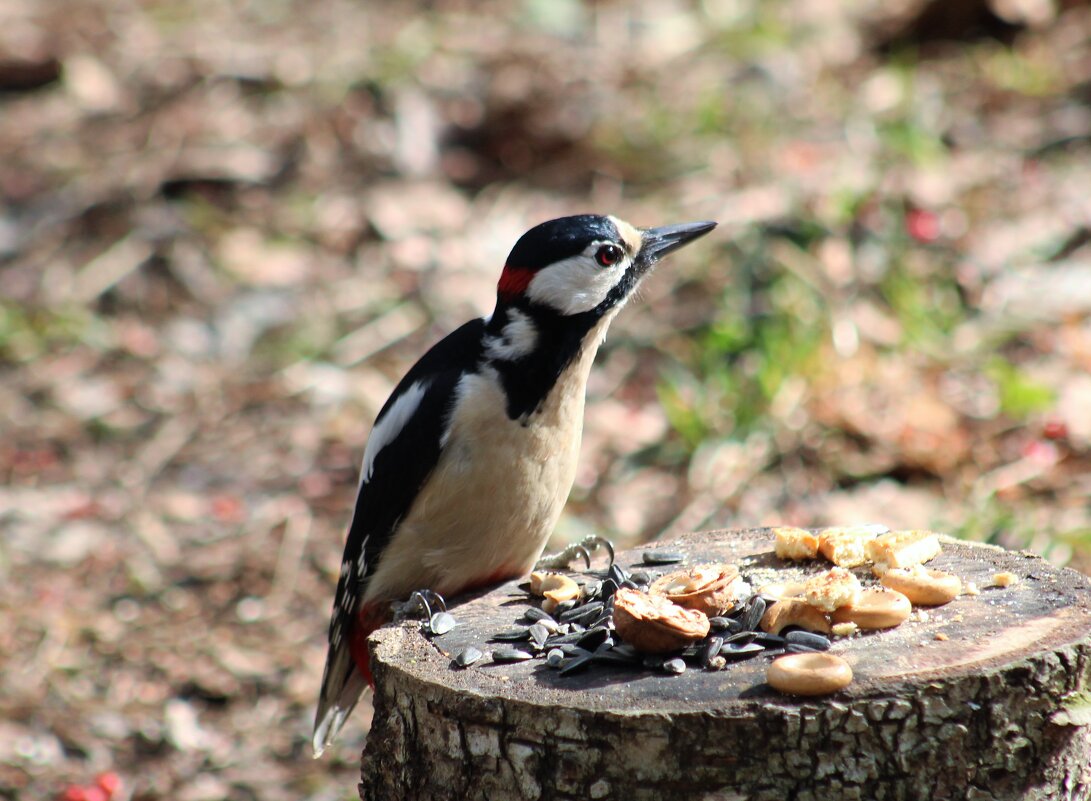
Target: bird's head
[{"x": 586, "y": 263}]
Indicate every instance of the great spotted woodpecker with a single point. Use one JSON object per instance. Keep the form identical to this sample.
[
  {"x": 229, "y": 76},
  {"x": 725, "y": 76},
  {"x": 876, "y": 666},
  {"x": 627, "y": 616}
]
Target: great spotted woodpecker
[{"x": 472, "y": 457}]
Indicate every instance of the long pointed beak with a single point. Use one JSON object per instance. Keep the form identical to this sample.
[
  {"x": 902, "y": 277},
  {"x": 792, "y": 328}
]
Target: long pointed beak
[{"x": 658, "y": 242}]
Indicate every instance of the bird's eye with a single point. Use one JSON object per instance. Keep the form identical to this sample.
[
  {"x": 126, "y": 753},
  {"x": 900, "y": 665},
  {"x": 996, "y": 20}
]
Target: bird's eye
[{"x": 608, "y": 255}]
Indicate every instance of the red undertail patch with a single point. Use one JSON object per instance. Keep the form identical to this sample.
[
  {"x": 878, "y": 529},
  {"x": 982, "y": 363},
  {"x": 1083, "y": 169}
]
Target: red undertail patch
[
  {"x": 369, "y": 619},
  {"x": 514, "y": 281}
]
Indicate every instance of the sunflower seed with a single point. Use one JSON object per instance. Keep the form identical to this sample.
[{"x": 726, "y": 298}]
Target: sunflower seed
[
  {"x": 467, "y": 656},
  {"x": 564, "y": 606},
  {"x": 535, "y": 615},
  {"x": 754, "y": 614},
  {"x": 592, "y": 588},
  {"x": 510, "y": 655},
  {"x": 593, "y": 638},
  {"x": 609, "y": 587},
  {"x": 641, "y": 577},
  {"x": 809, "y": 639},
  {"x": 711, "y": 650},
  {"x": 539, "y": 634},
  {"x": 676, "y": 666},
  {"x": 570, "y": 649},
  {"x": 579, "y": 663},
  {"x": 662, "y": 557},
  {"x": 510, "y": 635},
  {"x": 741, "y": 637},
  {"x": 581, "y": 613},
  {"x": 653, "y": 661},
  {"x": 441, "y": 623},
  {"x": 617, "y": 574},
  {"x": 615, "y": 656},
  {"x": 555, "y": 657},
  {"x": 738, "y": 651}
]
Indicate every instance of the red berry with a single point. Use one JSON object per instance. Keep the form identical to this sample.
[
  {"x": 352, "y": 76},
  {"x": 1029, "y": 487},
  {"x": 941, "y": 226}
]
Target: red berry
[
  {"x": 922, "y": 225},
  {"x": 74, "y": 792},
  {"x": 1055, "y": 429},
  {"x": 93, "y": 793},
  {"x": 109, "y": 781}
]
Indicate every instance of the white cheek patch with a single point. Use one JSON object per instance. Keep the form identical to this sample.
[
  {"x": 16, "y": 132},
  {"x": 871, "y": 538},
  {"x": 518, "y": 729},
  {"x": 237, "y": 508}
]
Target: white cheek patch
[
  {"x": 389, "y": 425},
  {"x": 576, "y": 284},
  {"x": 518, "y": 338}
]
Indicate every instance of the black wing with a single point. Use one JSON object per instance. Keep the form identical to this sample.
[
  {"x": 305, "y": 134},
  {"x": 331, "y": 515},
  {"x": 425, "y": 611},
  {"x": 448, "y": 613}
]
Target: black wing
[
  {"x": 403, "y": 465},
  {"x": 399, "y": 470}
]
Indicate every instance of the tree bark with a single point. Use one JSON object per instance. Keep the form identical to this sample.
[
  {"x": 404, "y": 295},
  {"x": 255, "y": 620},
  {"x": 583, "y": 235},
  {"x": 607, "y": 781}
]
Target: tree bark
[{"x": 994, "y": 711}]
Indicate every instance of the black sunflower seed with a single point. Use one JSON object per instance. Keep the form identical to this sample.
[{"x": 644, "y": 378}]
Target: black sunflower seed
[
  {"x": 593, "y": 638},
  {"x": 641, "y": 577},
  {"x": 609, "y": 587},
  {"x": 617, "y": 574},
  {"x": 582, "y": 613},
  {"x": 754, "y": 614},
  {"x": 741, "y": 637},
  {"x": 592, "y": 588},
  {"x": 711, "y": 649},
  {"x": 510, "y": 655},
  {"x": 534, "y": 614},
  {"x": 739, "y": 651},
  {"x": 809, "y": 639},
  {"x": 615, "y": 656},
  {"x": 579, "y": 663},
  {"x": 662, "y": 557},
  {"x": 555, "y": 658},
  {"x": 510, "y": 635},
  {"x": 467, "y": 656},
  {"x": 564, "y": 606},
  {"x": 441, "y": 623},
  {"x": 676, "y": 666}
]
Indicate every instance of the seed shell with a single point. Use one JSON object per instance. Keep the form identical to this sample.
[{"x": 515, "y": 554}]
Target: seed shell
[
  {"x": 441, "y": 623},
  {"x": 467, "y": 656},
  {"x": 676, "y": 666}
]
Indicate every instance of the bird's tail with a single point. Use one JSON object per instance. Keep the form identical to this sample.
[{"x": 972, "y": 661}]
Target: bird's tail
[{"x": 346, "y": 676}]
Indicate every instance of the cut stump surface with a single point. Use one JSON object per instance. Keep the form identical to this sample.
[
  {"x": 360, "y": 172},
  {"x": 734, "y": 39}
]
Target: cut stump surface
[{"x": 1000, "y": 709}]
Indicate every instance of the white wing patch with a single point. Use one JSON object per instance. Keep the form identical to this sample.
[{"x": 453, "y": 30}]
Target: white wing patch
[
  {"x": 576, "y": 284},
  {"x": 389, "y": 425},
  {"x": 518, "y": 338}
]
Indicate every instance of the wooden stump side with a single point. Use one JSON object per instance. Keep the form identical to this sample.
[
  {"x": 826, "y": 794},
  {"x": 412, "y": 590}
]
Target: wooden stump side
[{"x": 978, "y": 716}]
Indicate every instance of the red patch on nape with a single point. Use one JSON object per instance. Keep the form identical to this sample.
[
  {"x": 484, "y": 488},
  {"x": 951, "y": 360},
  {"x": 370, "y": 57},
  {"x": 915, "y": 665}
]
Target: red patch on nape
[
  {"x": 368, "y": 620},
  {"x": 513, "y": 281}
]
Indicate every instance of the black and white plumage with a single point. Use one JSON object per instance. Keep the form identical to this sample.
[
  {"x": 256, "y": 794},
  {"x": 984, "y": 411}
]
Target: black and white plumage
[{"x": 472, "y": 458}]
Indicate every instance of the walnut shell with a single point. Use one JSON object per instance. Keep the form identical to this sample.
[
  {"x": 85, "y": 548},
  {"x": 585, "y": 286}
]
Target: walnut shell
[
  {"x": 653, "y": 624},
  {"x": 705, "y": 588}
]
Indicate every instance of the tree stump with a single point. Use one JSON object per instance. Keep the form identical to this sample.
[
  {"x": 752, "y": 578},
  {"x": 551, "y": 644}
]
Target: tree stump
[{"x": 1000, "y": 709}]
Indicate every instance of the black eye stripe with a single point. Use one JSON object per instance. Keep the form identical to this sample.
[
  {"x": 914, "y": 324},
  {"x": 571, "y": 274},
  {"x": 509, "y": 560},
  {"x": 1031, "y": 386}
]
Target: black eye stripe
[{"x": 608, "y": 255}]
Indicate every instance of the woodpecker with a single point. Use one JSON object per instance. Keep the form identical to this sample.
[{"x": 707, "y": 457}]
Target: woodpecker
[{"x": 472, "y": 457}]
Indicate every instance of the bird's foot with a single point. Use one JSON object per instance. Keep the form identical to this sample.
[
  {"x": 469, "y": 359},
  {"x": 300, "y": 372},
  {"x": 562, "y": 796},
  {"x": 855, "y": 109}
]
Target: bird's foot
[
  {"x": 420, "y": 605},
  {"x": 581, "y": 549}
]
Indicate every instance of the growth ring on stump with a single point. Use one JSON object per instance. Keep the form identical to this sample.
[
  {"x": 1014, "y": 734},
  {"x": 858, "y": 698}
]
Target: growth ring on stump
[{"x": 1000, "y": 709}]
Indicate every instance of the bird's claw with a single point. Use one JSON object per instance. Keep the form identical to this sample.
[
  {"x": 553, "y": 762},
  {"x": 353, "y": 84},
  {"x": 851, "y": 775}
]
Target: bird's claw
[
  {"x": 581, "y": 549},
  {"x": 419, "y": 605}
]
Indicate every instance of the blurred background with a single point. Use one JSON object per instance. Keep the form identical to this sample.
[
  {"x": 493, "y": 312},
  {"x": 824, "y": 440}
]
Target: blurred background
[{"x": 226, "y": 229}]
